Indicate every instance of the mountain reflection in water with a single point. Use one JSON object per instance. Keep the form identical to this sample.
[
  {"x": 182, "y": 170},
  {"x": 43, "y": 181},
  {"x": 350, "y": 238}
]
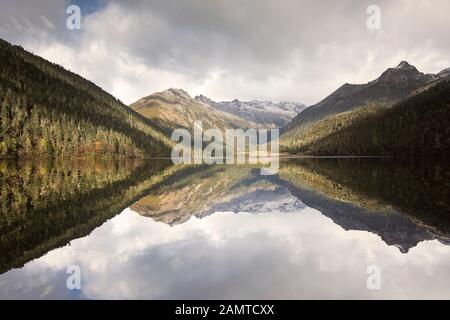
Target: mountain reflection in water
[{"x": 281, "y": 244}]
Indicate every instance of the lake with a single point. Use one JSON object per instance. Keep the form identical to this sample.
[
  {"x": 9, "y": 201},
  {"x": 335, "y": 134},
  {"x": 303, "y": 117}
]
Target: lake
[{"x": 320, "y": 228}]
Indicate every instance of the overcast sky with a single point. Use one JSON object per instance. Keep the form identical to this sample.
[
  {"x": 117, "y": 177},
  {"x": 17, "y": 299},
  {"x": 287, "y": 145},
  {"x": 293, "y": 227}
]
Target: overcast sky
[{"x": 247, "y": 49}]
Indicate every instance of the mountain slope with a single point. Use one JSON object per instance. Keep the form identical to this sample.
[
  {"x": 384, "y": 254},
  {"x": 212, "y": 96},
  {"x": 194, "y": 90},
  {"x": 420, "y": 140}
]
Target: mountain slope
[
  {"x": 47, "y": 111},
  {"x": 418, "y": 126},
  {"x": 175, "y": 108},
  {"x": 266, "y": 114},
  {"x": 393, "y": 85},
  {"x": 382, "y": 117}
]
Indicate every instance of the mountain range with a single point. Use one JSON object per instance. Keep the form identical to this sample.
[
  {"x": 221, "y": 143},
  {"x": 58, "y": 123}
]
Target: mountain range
[
  {"x": 175, "y": 108},
  {"x": 267, "y": 114},
  {"x": 48, "y": 111}
]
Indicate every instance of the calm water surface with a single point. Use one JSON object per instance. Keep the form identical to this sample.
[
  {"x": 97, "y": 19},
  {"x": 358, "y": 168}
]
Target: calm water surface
[{"x": 150, "y": 230}]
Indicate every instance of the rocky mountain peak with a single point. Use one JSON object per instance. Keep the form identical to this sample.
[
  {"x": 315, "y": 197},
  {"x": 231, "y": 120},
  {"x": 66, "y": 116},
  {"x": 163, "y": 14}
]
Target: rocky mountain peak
[
  {"x": 405, "y": 66},
  {"x": 444, "y": 73},
  {"x": 204, "y": 99},
  {"x": 403, "y": 73},
  {"x": 171, "y": 96},
  {"x": 178, "y": 92}
]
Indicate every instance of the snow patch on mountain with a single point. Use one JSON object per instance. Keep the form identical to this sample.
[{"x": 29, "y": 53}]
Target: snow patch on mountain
[{"x": 267, "y": 113}]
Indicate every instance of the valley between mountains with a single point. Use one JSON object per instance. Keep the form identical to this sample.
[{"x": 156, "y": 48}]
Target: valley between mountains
[
  {"x": 52, "y": 121},
  {"x": 50, "y": 112}
]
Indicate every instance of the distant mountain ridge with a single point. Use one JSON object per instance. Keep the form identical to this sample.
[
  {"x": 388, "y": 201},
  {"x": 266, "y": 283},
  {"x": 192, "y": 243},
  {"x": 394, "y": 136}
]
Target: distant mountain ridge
[
  {"x": 175, "y": 108},
  {"x": 267, "y": 114}
]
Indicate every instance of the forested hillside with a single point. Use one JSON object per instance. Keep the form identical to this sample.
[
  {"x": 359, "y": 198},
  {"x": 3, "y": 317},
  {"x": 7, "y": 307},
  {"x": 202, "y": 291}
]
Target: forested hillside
[
  {"x": 418, "y": 126},
  {"x": 49, "y": 112}
]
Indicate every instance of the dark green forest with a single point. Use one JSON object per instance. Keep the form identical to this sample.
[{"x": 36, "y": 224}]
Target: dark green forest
[
  {"x": 48, "y": 111},
  {"x": 418, "y": 126}
]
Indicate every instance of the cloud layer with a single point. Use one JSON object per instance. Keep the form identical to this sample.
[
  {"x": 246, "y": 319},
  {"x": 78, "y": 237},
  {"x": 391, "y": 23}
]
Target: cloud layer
[{"x": 262, "y": 49}]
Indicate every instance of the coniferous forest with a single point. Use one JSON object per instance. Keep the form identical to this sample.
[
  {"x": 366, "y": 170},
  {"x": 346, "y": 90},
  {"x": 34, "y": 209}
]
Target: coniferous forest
[{"x": 49, "y": 112}]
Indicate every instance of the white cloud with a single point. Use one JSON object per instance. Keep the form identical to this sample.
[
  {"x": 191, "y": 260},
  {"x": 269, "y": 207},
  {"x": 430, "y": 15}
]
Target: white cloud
[{"x": 289, "y": 50}]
